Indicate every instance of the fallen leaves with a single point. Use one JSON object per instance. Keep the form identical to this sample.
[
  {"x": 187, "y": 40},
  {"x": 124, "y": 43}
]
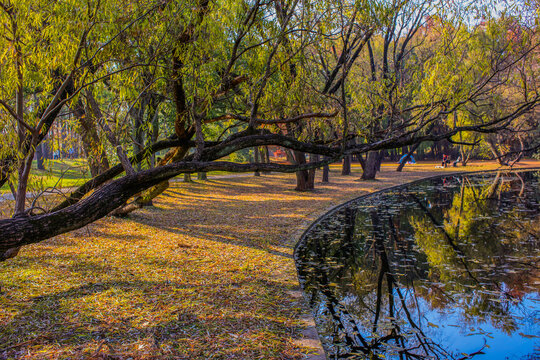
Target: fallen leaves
[{"x": 206, "y": 274}]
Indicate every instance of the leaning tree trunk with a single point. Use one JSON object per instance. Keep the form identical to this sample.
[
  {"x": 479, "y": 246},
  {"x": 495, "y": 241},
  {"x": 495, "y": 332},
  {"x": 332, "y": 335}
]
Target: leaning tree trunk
[
  {"x": 495, "y": 151},
  {"x": 371, "y": 166},
  {"x": 361, "y": 161},
  {"x": 520, "y": 153},
  {"x": 27, "y": 229},
  {"x": 174, "y": 155},
  {"x": 407, "y": 157}
]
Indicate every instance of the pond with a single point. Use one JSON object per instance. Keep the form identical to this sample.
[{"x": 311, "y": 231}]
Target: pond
[{"x": 445, "y": 268}]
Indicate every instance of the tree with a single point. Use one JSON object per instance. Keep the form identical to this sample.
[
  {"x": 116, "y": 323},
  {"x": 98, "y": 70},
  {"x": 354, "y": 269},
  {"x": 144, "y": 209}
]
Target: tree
[{"x": 221, "y": 72}]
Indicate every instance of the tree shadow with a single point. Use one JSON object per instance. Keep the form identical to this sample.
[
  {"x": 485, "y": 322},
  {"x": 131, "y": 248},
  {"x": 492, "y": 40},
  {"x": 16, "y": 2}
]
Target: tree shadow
[{"x": 47, "y": 324}]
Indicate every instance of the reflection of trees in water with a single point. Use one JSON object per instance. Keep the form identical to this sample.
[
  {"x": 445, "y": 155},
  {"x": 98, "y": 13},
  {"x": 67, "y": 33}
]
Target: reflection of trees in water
[
  {"x": 371, "y": 284},
  {"x": 485, "y": 249}
]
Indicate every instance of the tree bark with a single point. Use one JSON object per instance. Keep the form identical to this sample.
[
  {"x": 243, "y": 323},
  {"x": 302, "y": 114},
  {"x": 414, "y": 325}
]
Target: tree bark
[
  {"x": 137, "y": 115},
  {"x": 407, "y": 157},
  {"x": 313, "y": 158},
  {"x": 154, "y": 129},
  {"x": 257, "y": 160},
  {"x": 98, "y": 162},
  {"x": 346, "y": 167},
  {"x": 24, "y": 229},
  {"x": 266, "y": 158},
  {"x": 371, "y": 166},
  {"x": 326, "y": 172},
  {"x": 495, "y": 150},
  {"x": 304, "y": 180},
  {"x": 39, "y": 157}
]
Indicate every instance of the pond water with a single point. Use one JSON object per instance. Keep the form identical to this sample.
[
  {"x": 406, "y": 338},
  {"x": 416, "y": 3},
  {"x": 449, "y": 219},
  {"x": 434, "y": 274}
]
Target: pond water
[{"x": 446, "y": 268}]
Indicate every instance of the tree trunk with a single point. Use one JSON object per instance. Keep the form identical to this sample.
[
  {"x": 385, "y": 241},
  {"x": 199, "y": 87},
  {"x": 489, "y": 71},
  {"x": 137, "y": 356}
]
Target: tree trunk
[
  {"x": 326, "y": 172},
  {"x": 137, "y": 114},
  {"x": 9, "y": 161},
  {"x": 465, "y": 155},
  {"x": 266, "y": 157},
  {"x": 98, "y": 162},
  {"x": 520, "y": 153},
  {"x": 26, "y": 162},
  {"x": 39, "y": 157},
  {"x": 154, "y": 129},
  {"x": 346, "y": 167},
  {"x": 495, "y": 151},
  {"x": 304, "y": 181},
  {"x": 202, "y": 176},
  {"x": 407, "y": 157},
  {"x": 187, "y": 178},
  {"x": 24, "y": 229},
  {"x": 311, "y": 172},
  {"x": 257, "y": 160},
  {"x": 371, "y": 165}
]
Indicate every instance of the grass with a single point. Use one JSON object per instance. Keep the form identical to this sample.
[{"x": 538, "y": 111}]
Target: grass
[
  {"x": 74, "y": 172},
  {"x": 68, "y": 173},
  {"x": 205, "y": 274},
  {"x": 59, "y": 173}
]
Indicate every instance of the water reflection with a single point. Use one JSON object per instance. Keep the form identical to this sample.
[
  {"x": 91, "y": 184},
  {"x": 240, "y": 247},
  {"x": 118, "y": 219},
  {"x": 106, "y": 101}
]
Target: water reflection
[{"x": 441, "y": 269}]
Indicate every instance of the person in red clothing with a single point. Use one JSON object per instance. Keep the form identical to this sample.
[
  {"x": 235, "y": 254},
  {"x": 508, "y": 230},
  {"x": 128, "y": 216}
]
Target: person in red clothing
[{"x": 444, "y": 160}]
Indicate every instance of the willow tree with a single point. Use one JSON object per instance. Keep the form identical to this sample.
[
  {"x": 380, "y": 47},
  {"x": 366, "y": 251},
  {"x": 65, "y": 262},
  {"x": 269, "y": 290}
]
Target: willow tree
[
  {"x": 246, "y": 67},
  {"x": 499, "y": 67}
]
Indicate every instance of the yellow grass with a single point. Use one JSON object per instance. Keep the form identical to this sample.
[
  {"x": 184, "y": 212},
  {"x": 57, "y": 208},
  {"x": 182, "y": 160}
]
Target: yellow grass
[{"x": 205, "y": 274}]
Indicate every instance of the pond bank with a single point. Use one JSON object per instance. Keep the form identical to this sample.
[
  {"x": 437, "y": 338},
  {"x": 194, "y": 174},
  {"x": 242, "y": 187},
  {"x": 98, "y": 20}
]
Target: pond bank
[{"x": 207, "y": 273}]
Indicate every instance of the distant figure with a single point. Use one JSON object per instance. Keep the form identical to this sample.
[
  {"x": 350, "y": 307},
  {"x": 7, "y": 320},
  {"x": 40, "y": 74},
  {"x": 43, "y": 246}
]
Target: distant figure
[
  {"x": 445, "y": 160},
  {"x": 455, "y": 163}
]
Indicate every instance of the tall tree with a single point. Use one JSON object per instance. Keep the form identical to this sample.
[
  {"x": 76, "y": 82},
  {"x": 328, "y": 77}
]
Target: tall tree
[{"x": 222, "y": 71}]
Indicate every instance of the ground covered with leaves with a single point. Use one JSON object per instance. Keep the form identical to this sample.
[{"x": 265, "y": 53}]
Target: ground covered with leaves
[{"x": 207, "y": 273}]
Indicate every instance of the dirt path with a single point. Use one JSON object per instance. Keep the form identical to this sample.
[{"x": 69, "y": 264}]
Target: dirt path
[{"x": 207, "y": 273}]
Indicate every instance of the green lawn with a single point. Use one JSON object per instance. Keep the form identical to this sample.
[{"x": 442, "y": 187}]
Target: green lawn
[
  {"x": 71, "y": 173},
  {"x": 68, "y": 173},
  {"x": 62, "y": 173}
]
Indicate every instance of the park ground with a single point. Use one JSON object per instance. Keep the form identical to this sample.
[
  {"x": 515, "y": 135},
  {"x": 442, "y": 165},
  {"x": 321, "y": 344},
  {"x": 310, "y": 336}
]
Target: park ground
[{"x": 207, "y": 273}]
